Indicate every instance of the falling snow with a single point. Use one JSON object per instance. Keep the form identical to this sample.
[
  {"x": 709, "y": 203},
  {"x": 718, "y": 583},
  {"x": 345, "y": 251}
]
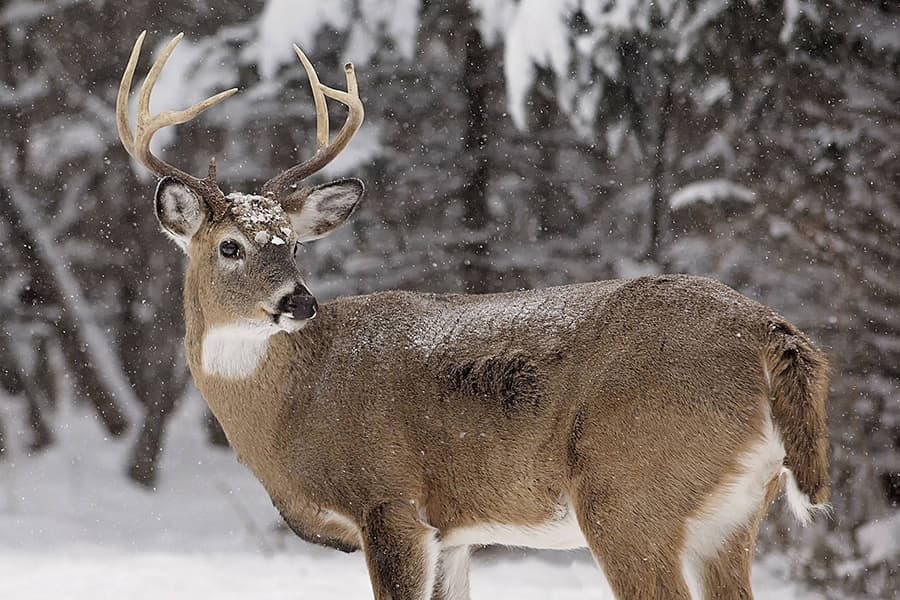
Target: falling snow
[{"x": 507, "y": 145}]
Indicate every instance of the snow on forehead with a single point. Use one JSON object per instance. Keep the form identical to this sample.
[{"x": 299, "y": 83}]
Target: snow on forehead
[{"x": 261, "y": 218}]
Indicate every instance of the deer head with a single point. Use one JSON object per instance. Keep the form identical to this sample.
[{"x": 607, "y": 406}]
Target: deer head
[{"x": 242, "y": 246}]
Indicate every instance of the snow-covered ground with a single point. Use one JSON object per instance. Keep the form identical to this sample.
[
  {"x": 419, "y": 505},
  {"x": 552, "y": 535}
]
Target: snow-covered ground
[{"x": 72, "y": 527}]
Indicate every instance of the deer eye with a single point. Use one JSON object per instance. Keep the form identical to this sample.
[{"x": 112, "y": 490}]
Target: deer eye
[{"x": 231, "y": 249}]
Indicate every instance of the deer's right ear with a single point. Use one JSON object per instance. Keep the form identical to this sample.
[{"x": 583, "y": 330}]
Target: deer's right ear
[{"x": 179, "y": 210}]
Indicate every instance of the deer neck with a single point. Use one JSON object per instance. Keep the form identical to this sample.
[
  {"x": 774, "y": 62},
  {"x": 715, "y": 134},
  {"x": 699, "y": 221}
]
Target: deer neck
[{"x": 249, "y": 379}]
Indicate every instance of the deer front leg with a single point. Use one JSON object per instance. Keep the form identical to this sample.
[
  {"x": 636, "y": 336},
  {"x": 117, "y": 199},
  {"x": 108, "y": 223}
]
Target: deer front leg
[
  {"x": 452, "y": 581},
  {"x": 401, "y": 552}
]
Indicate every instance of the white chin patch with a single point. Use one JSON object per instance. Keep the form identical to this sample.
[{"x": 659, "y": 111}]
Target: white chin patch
[
  {"x": 290, "y": 324},
  {"x": 235, "y": 351}
]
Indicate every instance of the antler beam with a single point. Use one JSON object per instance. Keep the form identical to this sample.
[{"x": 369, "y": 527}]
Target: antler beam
[
  {"x": 325, "y": 151},
  {"x": 137, "y": 144}
]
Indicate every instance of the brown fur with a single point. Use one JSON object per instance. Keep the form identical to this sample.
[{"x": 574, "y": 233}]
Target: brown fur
[
  {"x": 311, "y": 526},
  {"x": 799, "y": 389},
  {"x": 414, "y": 414}
]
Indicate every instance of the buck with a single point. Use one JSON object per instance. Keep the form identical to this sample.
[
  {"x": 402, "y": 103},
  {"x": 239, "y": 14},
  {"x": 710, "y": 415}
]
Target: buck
[{"x": 650, "y": 420}]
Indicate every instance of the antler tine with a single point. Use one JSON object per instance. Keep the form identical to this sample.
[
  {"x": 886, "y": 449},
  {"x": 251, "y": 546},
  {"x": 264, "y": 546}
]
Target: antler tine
[
  {"x": 322, "y": 124},
  {"x": 138, "y": 143},
  {"x": 122, "y": 98},
  {"x": 351, "y": 100},
  {"x": 326, "y": 151}
]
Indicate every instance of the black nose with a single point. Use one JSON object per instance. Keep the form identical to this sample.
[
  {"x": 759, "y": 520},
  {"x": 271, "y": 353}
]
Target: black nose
[{"x": 300, "y": 305}]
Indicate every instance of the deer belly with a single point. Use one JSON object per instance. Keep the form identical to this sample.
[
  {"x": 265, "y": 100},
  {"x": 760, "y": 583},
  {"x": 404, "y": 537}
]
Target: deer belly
[{"x": 561, "y": 532}]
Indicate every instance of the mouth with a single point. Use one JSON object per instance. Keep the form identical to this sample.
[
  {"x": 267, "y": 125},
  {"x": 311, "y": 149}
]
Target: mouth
[{"x": 286, "y": 321}]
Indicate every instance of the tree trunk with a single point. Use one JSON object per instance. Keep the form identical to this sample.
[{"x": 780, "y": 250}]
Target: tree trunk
[
  {"x": 476, "y": 269},
  {"x": 2, "y": 441},
  {"x": 147, "y": 357},
  {"x": 554, "y": 216},
  {"x": 146, "y": 450},
  {"x": 30, "y": 374},
  {"x": 659, "y": 212},
  {"x": 40, "y": 393},
  {"x": 215, "y": 435},
  {"x": 10, "y": 378},
  {"x": 80, "y": 357}
]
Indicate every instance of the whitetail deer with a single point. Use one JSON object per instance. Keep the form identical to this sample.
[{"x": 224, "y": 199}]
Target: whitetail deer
[{"x": 650, "y": 420}]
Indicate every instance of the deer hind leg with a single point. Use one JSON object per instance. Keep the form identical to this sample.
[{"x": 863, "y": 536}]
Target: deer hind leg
[
  {"x": 727, "y": 575},
  {"x": 452, "y": 582},
  {"x": 401, "y": 552},
  {"x": 719, "y": 537},
  {"x": 640, "y": 571},
  {"x": 638, "y": 554}
]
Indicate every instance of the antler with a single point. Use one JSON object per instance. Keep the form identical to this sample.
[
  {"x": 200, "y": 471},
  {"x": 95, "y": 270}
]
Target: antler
[
  {"x": 325, "y": 151},
  {"x": 138, "y": 145}
]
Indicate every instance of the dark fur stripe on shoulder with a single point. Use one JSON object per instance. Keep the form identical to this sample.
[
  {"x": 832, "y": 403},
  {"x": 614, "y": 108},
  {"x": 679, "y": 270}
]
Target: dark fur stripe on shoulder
[{"x": 513, "y": 379}]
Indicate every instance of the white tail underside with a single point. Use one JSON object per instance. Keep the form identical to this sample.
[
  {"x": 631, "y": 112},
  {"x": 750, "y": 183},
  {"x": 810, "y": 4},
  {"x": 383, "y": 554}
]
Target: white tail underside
[{"x": 799, "y": 503}]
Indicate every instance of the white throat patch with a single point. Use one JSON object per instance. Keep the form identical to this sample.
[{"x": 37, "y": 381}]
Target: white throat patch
[{"x": 235, "y": 351}]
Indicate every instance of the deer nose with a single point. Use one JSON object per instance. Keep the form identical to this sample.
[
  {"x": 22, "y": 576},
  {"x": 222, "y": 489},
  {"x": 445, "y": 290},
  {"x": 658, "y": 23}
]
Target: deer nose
[{"x": 300, "y": 304}]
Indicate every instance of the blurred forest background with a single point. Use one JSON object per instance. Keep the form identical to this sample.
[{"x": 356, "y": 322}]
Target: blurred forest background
[{"x": 507, "y": 144}]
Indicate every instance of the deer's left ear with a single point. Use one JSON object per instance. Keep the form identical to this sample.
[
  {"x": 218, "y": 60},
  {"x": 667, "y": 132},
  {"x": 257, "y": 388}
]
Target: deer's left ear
[{"x": 317, "y": 212}]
